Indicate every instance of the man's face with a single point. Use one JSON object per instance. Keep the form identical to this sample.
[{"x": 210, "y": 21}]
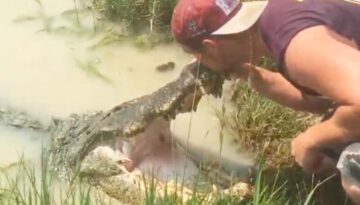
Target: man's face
[{"x": 225, "y": 54}]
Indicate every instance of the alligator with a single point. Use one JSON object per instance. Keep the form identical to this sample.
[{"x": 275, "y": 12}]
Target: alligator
[
  {"x": 72, "y": 138},
  {"x": 93, "y": 145}
]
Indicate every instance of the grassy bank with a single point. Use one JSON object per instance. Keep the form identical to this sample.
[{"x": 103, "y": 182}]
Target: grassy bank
[
  {"x": 140, "y": 15},
  {"x": 264, "y": 127},
  {"x": 146, "y": 20},
  {"x": 31, "y": 186},
  {"x": 26, "y": 184}
]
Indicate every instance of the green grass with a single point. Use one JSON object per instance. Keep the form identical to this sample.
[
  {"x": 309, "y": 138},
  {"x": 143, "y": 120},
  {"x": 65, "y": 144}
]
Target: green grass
[
  {"x": 28, "y": 185},
  {"x": 149, "y": 15},
  {"x": 31, "y": 186},
  {"x": 148, "y": 21},
  {"x": 264, "y": 127},
  {"x": 261, "y": 126}
]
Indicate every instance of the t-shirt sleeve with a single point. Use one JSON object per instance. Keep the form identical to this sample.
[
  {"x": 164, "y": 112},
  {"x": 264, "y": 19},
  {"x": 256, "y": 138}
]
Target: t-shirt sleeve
[{"x": 282, "y": 20}]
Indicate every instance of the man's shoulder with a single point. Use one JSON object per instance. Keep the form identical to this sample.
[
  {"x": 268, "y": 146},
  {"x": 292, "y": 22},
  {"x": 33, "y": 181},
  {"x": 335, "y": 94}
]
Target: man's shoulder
[
  {"x": 283, "y": 19},
  {"x": 277, "y": 11},
  {"x": 282, "y": 13},
  {"x": 273, "y": 23}
]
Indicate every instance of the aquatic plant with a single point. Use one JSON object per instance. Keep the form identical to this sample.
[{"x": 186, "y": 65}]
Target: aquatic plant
[
  {"x": 91, "y": 68},
  {"x": 139, "y": 15}
]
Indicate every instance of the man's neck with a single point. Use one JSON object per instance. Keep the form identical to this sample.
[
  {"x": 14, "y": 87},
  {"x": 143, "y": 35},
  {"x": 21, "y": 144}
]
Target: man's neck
[{"x": 259, "y": 47}]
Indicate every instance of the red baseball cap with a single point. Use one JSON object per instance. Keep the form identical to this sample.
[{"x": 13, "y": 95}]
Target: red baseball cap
[{"x": 194, "y": 19}]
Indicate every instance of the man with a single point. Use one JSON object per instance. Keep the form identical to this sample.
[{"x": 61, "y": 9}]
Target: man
[{"x": 316, "y": 46}]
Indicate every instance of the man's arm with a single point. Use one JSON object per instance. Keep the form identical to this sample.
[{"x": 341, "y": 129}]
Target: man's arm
[
  {"x": 320, "y": 59},
  {"x": 274, "y": 86}
]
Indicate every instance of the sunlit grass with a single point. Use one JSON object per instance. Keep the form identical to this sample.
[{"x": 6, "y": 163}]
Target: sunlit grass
[
  {"x": 28, "y": 185},
  {"x": 264, "y": 127}
]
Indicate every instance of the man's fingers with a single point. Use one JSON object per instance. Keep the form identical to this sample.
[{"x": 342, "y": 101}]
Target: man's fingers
[
  {"x": 312, "y": 161},
  {"x": 315, "y": 163}
]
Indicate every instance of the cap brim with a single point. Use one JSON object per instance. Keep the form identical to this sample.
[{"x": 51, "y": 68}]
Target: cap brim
[{"x": 244, "y": 19}]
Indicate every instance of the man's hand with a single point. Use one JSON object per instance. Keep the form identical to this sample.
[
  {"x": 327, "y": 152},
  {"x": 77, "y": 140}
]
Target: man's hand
[
  {"x": 309, "y": 156},
  {"x": 309, "y": 147}
]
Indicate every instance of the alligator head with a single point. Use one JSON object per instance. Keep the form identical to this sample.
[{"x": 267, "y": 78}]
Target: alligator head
[
  {"x": 73, "y": 137},
  {"x": 87, "y": 141}
]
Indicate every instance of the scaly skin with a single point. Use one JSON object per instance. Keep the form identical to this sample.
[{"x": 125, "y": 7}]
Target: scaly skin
[{"x": 73, "y": 138}]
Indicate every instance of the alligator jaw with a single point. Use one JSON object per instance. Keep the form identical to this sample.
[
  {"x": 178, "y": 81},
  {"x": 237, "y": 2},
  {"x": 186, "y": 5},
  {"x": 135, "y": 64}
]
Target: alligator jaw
[
  {"x": 133, "y": 117},
  {"x": 181, "y": 95}
]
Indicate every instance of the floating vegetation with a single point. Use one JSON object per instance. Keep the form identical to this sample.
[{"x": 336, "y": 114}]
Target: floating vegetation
[
  {"x": 110, "y": 37},
  {"x": 151, "y": 40},
  {"x": 39, "y": 3},
  {"x": 25, "y": 18},
  {"x": 92, "y": 69}
]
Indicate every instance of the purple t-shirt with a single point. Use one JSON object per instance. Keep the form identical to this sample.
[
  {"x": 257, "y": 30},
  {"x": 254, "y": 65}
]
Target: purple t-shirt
[{"x": 283, "y": 19}]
